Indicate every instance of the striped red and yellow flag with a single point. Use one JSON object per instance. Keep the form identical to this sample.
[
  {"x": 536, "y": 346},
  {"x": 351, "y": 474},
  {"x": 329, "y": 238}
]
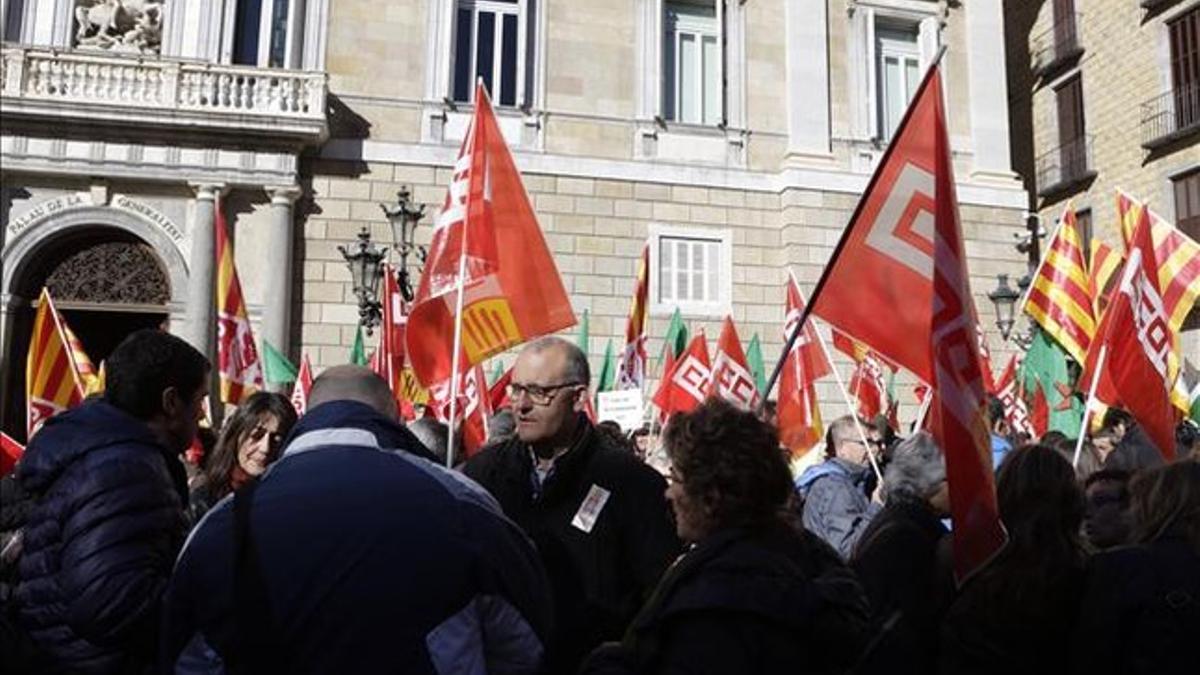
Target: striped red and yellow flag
[
  {"x": 88, "y": 375},
  {"x": 52, "y": 383},
  {"x": 1060, "y": 300},
  {"x": 237, "y": 355},
  {"x": 1103, "y": 264},
  {"x": 631, "y": 373},
  {"x": 1178, "y": 258}
]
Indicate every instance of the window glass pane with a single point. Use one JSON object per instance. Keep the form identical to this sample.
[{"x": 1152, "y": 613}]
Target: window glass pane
[
  {"x": 712, "y": 80},
  {"x": 893, "y": 95},
  {"x": 666, "y": 269},
  {"x": 485, "y": 49},
  {"x": 689, "y": 66},
  {"x": 913, "y": 77},
  {"x": 681, "y": 271},
  {"x": 698, "y": 268},
  {"x": 462, "y": 56},
  {"x": 508, "y": 61},
  {"x": 279, "y": 23},
  {"x": 245, "y": 32}
]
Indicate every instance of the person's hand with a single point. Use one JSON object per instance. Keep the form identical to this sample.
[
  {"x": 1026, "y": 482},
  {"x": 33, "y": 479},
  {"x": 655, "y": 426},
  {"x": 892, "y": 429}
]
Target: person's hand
[{"x": 877, "y": 494}]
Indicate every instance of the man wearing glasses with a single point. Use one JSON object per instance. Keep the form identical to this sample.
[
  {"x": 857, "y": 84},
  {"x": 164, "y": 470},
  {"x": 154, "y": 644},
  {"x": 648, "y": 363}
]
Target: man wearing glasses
[
  {"x": 598, "y": 515},
  {"x": 834, "y": 492}
]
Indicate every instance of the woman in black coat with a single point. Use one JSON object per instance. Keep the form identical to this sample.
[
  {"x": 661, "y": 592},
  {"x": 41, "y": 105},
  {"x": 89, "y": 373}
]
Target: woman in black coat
[
  {"x": 753, "y": 593},
  {"x": 904, "y": 564}
]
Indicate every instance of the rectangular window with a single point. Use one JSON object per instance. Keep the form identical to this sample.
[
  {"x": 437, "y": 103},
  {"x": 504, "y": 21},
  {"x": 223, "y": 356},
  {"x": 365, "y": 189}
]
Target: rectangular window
[
  {"x": 1187, "y": 219},
  {"x": 693, "y": 81},
  {"x": 1184, "y": 33},
  {"x": 1071, "y": 129},
  {"x": 268, "y": 33},
  {"x": 246, "y": 32},
  {"x": 487, "y": 45},
  {"x": 1065, "y": 37},
  {"x": 689, "y": 270},
  {"x": 898, "y": 74}
]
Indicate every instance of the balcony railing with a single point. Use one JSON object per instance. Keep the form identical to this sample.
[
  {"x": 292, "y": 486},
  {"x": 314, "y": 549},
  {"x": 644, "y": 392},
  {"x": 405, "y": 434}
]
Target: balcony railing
[
  {"x": 1056, "y": 45},
  {"x": 1170, "y": 116},
  {"x": 1065, "y": 166},
  {"x": 1155, "y": 4},
  {"x": 173, "y": 93}
]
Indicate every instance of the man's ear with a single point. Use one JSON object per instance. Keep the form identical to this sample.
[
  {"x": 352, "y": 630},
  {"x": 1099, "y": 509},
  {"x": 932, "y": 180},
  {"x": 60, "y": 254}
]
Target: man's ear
[
  {"x": 581, "y": 399},
  {"x": 172, "y": 402}
]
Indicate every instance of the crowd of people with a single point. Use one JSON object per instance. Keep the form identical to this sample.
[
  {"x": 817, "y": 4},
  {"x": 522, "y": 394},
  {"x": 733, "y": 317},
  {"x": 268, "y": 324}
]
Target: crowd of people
[{"x": 339, "y": 542}]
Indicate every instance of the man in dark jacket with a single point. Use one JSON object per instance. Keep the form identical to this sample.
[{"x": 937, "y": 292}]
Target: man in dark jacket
[
  {"x": 835, "y": 491},
  {"x": 108, "y": 521},
  {"x": 356, "y": 553},
  {"x": 597, "y": 514}
]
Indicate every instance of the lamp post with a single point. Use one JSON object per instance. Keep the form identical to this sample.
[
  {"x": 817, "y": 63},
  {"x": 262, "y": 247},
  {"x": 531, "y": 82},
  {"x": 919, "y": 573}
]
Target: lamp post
[
  {"x": 366, "y": 271},
  {"x": 1004, "y": 298},
  {"x": 404, "y": 218}
]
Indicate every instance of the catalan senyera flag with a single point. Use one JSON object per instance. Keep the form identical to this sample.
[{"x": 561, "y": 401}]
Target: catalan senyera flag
[
  {"x": 304, "y": 382},
  {"x": 903, "y": 250},
  {"x": 1103, "y": 263},
  {"x": 52, "y": 383},
  {"x": 237, "y": 356},
  {"x": 631, "y": 371},
  {"x": 685, "y": 386},
  {"x": 92, "y": 382},
  {"x": 1060, "y": 300},
  {"x": 798, "y": 415},
  {"x": 731, "y": 376},
  {"x": 512, "y": 291}
]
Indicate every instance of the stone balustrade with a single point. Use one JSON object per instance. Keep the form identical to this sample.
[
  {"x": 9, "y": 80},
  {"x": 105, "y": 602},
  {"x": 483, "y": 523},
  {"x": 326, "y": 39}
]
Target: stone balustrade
[{"x": 67, "y": 83}]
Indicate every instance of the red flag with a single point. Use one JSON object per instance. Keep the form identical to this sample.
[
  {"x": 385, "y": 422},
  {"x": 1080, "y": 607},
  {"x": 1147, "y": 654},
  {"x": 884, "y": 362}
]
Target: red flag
[
  {"x": 903, "y": 251},
  {"x": 237, "y": 355},
  {"x": 304, "y": 381},
  {"x": 1137, "y": 333},
  {"x": 498, "y": 393},
  {"x": 512, "y": 289},
  {"x": 389, "y": 358},
  {"x": 731, "y": 377},
  {"x": 1039, "y": 419},
  {"x": 52, "y": 381},
  {"x": 473, "y": 409},
  {"x": 685, "y": 386},
  {"x": 631, "y": 372},
  {"x": 1016, "y": 413},
  {"x": 985, "y": 360},
  {"x": 868, "y": 388},
  {"x": 799, "y": 417},
  {"x": 10, "y": 453}
]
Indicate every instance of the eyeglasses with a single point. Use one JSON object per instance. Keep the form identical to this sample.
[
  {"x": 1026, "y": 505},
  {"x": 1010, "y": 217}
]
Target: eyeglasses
[{"x": 538, "y": 394}]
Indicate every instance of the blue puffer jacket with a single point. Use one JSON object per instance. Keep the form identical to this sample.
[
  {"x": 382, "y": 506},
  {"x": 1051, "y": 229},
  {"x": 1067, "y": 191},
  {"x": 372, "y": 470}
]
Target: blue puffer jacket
[{"x": 101, "y": 540}]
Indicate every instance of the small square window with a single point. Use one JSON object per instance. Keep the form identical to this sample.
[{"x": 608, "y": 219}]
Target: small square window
[{"x": 691, "y": 270}]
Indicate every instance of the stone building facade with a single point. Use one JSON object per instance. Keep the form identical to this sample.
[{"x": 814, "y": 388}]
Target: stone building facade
[
  {"x": 735, "y": 136},
  {"x": 1105, "y": 94}
]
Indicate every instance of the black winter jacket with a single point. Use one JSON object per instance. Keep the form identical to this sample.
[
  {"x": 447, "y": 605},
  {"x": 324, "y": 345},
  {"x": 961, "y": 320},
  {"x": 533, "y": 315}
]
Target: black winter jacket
[
  {"x": 904, "y": 564},
  {"x": 101, "y": 541},
  {"x": 775, "y": 601},
  {"x": 598, "y": 578},
  {"x": 1141, "y": 611}
]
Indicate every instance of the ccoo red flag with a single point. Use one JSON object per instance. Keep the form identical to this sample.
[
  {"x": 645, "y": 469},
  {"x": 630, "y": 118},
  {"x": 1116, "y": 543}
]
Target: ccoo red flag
[
  {"x": 903, "y": 250},
  {"x": 731, "y": 377},
  {"x": 1016, "y": 413},
  {"x": 512, "y": 291},
  {"x": 473, "y": 409},
  {"x": 304, "y": 382},
  {"x": 389, "y": 358},
  {"x": 10, "y": 453},
  {"x": 799, "y": 417},
  {"x": 237, "y": 356},
  {"x": 1136, "y": 333},
  {"x": 686, "y": 384}
]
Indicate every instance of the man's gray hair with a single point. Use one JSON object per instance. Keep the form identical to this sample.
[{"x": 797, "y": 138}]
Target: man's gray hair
[
  {"x": 577, "y": 369},
  {"x": 433, "y": 435},
  {"x": 917, "y": 468},
  {"x": 839, "y": 431}
]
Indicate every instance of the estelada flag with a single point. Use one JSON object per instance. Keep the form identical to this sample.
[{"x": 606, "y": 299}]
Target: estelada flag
[
  {"x": 797, "y": 414},
  {"x": 1060, "y": 299},
  {"x": 1135, "y": 331},
  {"x": 631, "y": 372},
  {"x": 512, "y": 291},
  {"x": 237, "y": 356},
  {"x": 52, "y": 383},
  {"x": 903, "y": 251},
  {"x": 10, "y": 453},
  {"x": 731, "y": 377},
  {"x": 686, "y": 385},
  {"x": 303, "y": 386}
]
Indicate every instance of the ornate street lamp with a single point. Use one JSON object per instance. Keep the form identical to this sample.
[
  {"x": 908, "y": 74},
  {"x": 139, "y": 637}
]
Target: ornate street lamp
[
  {"x": 404, "y": 218},
  {"x": 1004, "y": 298},
  {"x": 366, "y": 271}
]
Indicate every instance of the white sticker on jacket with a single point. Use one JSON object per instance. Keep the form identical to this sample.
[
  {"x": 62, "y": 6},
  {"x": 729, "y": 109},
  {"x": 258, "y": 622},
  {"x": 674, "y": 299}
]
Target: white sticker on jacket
[{"x": 589, "y": 510}]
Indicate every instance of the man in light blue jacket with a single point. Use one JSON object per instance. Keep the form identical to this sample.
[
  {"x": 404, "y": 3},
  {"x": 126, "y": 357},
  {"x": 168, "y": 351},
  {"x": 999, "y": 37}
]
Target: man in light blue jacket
[{"x": 834, "y": 492}]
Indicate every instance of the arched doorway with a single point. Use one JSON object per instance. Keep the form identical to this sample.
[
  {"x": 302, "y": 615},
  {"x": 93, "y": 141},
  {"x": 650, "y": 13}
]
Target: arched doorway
[{"x": 107, "y": 283}]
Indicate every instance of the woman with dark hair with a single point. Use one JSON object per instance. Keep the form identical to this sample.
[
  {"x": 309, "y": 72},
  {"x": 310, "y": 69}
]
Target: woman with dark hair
[
  {"x": 753, "y": 593},
  {"x": 1010, "y": 617},
  {"x": 1141, "y": 611},
  {"x": 250, "y": 441}
]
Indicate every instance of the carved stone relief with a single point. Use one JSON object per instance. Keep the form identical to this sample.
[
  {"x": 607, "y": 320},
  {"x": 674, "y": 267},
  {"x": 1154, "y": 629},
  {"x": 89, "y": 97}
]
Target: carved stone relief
[{"x": 126, "y": 26}]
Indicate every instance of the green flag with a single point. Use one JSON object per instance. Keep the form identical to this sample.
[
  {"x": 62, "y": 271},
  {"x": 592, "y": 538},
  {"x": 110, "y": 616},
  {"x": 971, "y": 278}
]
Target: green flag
[
  {"x": 358, "y": 353},
  {"x": 754, "y": 359},
  {"x": 582, "y": 338},
  {"x": 497, "y": 373},
  {"x": 677, "y": 336},
  {"x": 276, "y": 368},
  {"x": 608, "y": 369},
  {"x": 1047, "y": 364}
]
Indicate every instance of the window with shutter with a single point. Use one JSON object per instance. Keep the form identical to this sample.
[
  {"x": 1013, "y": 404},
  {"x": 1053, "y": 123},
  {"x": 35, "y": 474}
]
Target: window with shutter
[
  {"x": 1071, "y": 132},
  {"x": 1187, "y": 219},
  {"x": 1184, "y": 33}
]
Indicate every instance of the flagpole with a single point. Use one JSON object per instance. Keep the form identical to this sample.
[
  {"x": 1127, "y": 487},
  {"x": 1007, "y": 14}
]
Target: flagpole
[
  {"x": 923, "y": 410},
  {"x": 862, "y": 434},
  {"x": 812, "y": 299},
  {"x": 1087, "y": 408}
]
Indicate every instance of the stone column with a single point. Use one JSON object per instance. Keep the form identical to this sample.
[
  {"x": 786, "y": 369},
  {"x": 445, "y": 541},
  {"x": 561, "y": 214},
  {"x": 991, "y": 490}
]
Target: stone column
[
  {"x": 277, "y": 305},
  {"x": 989, "y": 90},
  {"x": 200, "y": 328}
]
